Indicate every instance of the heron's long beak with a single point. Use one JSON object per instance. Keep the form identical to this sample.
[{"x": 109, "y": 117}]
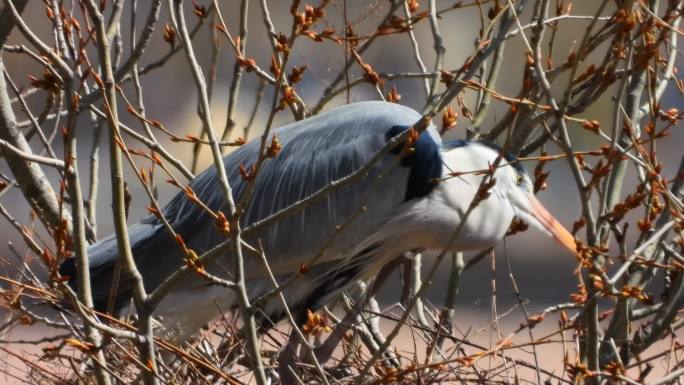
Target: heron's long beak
[{"x": 552, "y": 225}]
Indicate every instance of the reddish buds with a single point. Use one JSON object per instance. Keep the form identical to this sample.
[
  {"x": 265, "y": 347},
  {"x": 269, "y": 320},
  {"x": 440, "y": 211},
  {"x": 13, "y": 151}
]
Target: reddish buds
[
  {"x": 222, "y": 223},
  {"x": 449, "y": 118},
  {"x": 274, "y": 148},
  {"x": 393, "y": 96},
  {"x": 370, "y": 74},
  {"x": 170, "y": 35},
  {"x": 592, "y": 125}
]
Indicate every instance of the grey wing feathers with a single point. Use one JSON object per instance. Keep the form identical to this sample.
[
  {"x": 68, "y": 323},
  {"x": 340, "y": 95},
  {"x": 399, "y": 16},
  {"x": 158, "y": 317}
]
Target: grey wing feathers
[
  {"x": 102, "y": 257},
  {"x": 315, "y": 152}
]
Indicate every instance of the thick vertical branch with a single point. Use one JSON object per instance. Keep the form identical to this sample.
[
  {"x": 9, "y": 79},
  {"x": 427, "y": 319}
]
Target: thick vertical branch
[
  {"x": 79, "y": 241},
  {"x": 635, "y": 89},
  {"x": 30, "y": 177},
  {"x": 146, "y": 346}
]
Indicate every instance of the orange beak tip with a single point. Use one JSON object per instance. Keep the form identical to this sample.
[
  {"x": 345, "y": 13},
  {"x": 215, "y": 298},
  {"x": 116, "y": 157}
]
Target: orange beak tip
[{"x": 560, "y": 233}]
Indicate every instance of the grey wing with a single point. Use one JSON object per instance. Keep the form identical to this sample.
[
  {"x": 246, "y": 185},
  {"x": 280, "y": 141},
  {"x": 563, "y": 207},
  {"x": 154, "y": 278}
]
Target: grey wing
[
  {"x": 103, "y": 256},
  {"x": 315, "y": 152}
]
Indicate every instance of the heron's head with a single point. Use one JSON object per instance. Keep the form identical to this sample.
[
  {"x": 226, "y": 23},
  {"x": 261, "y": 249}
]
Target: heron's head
[{"x": 513, "y": 185}]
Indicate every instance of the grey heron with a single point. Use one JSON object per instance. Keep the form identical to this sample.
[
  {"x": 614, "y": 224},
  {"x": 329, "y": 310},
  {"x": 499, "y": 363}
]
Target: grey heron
[{"x": 416, "y": 204}]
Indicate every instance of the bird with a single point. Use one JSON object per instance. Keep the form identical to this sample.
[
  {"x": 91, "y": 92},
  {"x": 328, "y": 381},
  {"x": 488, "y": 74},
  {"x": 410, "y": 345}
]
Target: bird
[{"x": 408, "y": 200}]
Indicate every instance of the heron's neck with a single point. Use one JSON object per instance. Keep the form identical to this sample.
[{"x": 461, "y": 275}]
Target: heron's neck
[{"x": 435, "y": 222}]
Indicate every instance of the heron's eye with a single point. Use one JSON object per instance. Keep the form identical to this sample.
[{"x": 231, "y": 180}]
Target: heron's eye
[{"x": 519, "y": 180}]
